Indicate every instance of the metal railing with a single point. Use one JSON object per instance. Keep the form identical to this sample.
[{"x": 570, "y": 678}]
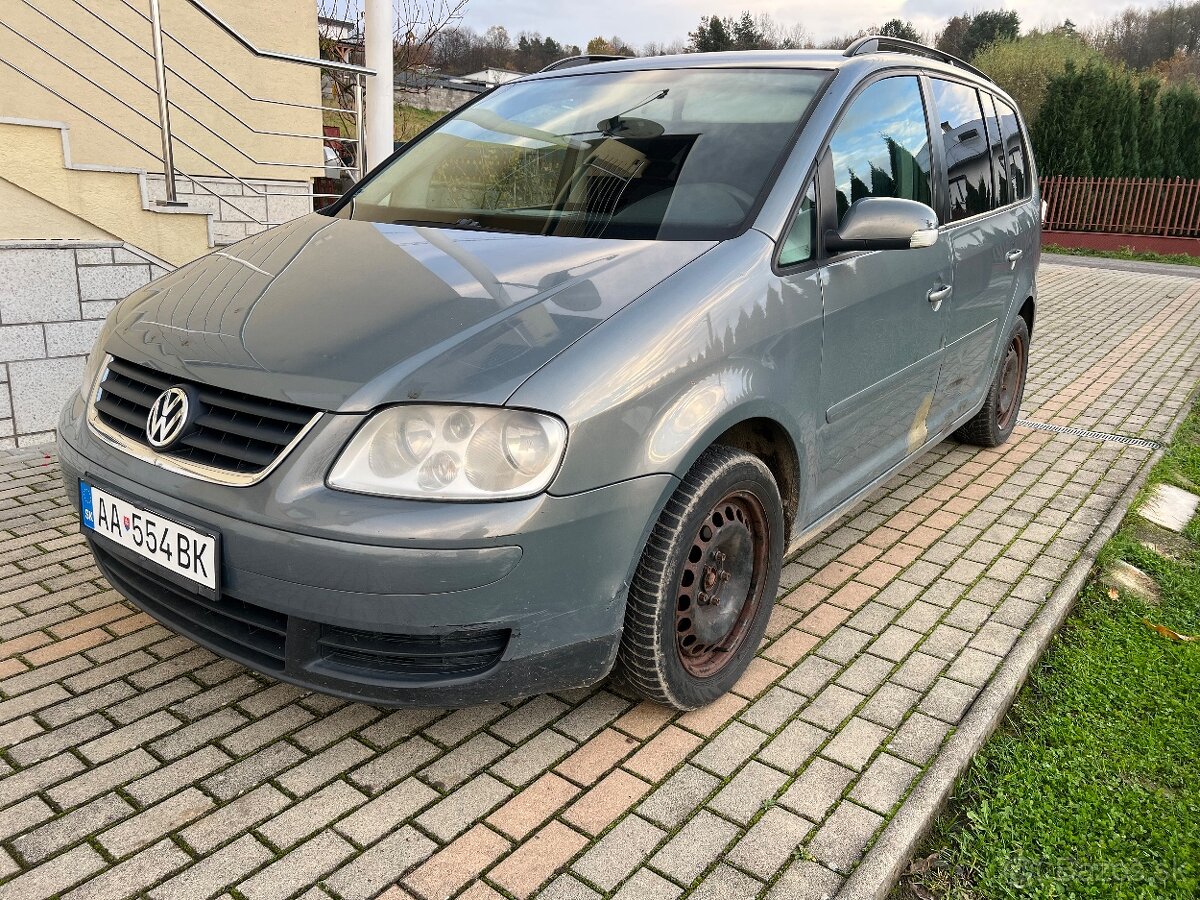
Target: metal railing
[
  {"x": 358, "y": 73},
  {"x": 170, "y": 139}
]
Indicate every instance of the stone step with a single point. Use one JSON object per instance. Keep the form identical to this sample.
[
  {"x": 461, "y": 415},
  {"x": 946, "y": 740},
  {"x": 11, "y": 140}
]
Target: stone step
[{"x": 1169, "y": 507}]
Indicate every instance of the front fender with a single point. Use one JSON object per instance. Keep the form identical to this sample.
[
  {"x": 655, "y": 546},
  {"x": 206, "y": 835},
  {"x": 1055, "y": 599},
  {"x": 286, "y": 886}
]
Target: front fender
[
  {"x": 717, "y": 403},
  {"x": 722, "y": 341}
]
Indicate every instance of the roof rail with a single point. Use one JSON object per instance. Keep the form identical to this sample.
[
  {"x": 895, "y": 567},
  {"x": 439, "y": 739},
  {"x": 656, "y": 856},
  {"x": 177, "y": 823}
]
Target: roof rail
[
  {"x": 881, "y": 43},
  {"x": 570, "y": 62}
]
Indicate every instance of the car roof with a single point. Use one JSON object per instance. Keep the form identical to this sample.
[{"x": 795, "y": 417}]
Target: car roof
[
  {"x": 829, "y": 60},
  {"x": 798, "y": 59}
]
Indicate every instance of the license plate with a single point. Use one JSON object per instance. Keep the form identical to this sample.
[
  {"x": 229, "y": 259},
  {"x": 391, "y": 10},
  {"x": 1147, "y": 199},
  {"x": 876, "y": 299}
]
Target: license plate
[{"x": 180, "y": 550}]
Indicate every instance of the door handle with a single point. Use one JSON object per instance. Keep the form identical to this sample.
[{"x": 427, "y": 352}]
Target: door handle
[
  {"x": 938, "y": 294},
  {"x": 1013, "y": 255}
]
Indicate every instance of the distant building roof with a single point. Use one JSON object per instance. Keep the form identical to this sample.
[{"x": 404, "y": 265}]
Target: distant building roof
[
  {"x": 493, "y": 75},
  {"x": 339, "y": 30}
]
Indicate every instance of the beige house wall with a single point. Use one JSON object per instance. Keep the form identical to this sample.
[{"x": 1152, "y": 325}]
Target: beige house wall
[
  {"x": 33, "y": 157},
  {"x": 28, "y": 216},
  {"x": 95, "y": 54}
]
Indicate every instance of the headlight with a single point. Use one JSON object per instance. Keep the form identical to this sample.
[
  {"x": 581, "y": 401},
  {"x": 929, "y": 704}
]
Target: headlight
[{"x": 452, "y": 453}]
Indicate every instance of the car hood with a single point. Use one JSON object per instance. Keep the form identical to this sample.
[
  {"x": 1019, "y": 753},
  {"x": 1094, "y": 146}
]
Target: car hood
[{"x": 345, "y": 315}]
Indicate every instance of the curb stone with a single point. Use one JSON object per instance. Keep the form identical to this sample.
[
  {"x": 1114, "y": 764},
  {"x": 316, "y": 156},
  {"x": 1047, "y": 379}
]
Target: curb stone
[{"x": 1116, "y": 264}]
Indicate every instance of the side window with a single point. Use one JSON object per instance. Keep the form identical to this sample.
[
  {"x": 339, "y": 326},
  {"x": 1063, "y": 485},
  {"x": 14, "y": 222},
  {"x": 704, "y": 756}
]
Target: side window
[
  {"x": 1014, "y": 146},
  {"x": 801, "y": 240},
  {"x": 968, "y": 156},
  {"x": 881, "y": 146},
  {"x": 999, "y": 160}
]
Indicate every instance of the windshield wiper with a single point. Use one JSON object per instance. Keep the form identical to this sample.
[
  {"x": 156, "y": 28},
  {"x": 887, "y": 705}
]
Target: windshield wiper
[
  {"x": 608, "y": 126},
  {"x": 466, "y": 224}
]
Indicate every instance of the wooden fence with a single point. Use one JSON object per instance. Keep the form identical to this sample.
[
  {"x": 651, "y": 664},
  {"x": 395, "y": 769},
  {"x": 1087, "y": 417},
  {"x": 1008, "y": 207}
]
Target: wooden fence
[{"x": 1158, "y": 207}]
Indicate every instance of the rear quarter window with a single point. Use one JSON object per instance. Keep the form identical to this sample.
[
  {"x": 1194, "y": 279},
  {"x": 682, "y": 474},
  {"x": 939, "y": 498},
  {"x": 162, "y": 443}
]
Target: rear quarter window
[
  {"x": 999, "y": 158},
  {"x": 1014, "y": 151}
]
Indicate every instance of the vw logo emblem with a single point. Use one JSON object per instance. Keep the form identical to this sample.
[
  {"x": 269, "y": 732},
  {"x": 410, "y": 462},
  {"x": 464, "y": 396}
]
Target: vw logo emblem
[{"x": 168, "y": 418}]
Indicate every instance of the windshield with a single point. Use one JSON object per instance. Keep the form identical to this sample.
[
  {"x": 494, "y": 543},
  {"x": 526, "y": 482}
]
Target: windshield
[{"x": 666, "y": 154}]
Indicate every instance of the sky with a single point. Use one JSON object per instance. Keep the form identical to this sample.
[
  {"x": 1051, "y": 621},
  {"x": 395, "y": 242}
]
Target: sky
[{"x": 641, "y": 21}]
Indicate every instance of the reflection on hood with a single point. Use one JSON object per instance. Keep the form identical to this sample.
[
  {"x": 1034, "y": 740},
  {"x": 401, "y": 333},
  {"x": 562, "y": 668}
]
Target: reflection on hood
[{"x": 347, "y": 315}]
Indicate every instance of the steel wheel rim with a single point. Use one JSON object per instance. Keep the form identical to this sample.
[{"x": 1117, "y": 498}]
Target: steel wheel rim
[
  {"x": 1012, "y": 379},
  {"x": 720, "y": 588}
]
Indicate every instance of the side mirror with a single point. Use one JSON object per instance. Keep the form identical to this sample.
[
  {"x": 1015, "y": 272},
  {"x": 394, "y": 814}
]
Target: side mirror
[{"x": 884, "y": 223}]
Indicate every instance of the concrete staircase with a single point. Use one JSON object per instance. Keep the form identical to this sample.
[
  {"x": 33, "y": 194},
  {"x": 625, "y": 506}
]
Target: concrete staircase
[{"x": 35, "y": 156}]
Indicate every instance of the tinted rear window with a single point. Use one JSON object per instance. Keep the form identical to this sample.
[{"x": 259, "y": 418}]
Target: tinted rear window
[
  {"x": 999, "y": 160},
  {"x": 966, "y": 148}
]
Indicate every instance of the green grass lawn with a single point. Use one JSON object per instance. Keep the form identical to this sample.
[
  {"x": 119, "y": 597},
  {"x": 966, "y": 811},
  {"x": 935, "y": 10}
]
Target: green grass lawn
[
  {"x": 1179, "y": 259},
  {"x": 1092, "y": 786},
  {"x": 410, "y": 121}
]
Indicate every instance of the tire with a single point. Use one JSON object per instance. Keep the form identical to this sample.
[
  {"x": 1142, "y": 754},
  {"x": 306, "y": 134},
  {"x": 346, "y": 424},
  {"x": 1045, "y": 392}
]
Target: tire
[
  {"x": 677, "y": 647},
  {"x": 994, "y": 423}
]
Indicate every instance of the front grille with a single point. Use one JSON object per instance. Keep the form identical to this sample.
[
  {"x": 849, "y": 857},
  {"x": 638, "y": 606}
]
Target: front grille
[
  {"x": 235, "y": 432},
  {"x": 242, "y": 630},
  {"x": 411, "y": 656}
]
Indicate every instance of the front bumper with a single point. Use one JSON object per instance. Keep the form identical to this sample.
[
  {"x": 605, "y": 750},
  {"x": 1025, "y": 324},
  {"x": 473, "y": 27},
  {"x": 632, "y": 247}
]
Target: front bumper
[{"x": 392, "y": 602}]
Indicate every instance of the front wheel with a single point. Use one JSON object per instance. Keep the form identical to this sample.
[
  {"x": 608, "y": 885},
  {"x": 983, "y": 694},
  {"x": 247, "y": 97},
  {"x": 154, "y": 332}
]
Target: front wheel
[
  {"x": 706, "y": 583},
  {"x": 993, "y": 424}
]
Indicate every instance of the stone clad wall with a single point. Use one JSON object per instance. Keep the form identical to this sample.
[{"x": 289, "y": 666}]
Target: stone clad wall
[
  {"x": 54, "y": 296},
  {"x": 238, "y": 209},
  {"x": 440, "y": 99}
]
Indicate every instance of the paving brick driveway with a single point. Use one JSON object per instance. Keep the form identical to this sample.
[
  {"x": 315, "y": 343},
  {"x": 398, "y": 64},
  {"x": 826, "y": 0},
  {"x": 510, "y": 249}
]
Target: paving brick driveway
[{"x": 134, "y": 763}]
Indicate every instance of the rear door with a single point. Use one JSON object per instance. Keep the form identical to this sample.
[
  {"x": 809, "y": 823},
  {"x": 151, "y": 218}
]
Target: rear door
[
  {"x": 1024, "y": 230},
  {"x": 982, "y": 231},
  {"x": 883, "y": 311}
]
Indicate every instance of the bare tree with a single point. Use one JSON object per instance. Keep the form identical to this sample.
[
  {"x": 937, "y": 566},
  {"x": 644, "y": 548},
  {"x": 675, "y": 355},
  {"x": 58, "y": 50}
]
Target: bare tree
[
  {"x": 657, "y": 48},
  {"x": 419, "y": 24},
  {"x": 796, "y": 37}
]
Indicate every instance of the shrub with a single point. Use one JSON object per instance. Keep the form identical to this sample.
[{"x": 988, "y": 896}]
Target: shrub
[{"x": 1026, "y": 66}]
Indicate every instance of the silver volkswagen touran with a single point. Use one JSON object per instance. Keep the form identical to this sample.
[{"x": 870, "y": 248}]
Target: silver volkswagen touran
[{"x": 558, "y": 387}]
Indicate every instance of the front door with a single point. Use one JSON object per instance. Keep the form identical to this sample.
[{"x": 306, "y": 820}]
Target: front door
[{"x": 884, "y": 311}]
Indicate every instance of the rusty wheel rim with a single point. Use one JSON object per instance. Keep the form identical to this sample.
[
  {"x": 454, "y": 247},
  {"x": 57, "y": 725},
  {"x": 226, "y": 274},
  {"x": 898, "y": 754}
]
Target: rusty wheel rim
[
  {"x": 1012, "y": 380},
  {"x": 721, "y": 585}
]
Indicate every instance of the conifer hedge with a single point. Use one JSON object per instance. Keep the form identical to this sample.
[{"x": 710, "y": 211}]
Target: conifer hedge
[{"x": 1098, "y": 120}]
